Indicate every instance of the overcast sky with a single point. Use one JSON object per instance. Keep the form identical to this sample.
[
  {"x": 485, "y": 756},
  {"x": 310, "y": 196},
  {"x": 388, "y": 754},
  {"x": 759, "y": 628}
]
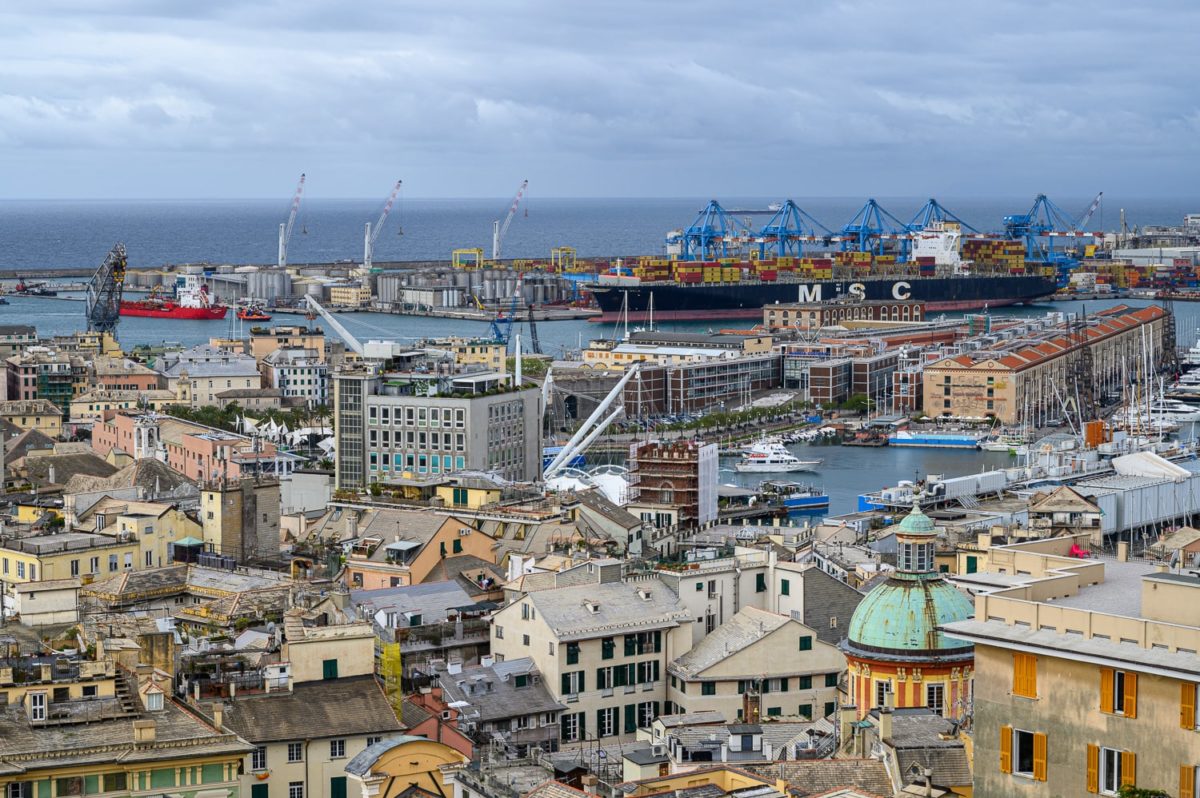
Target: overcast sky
[{"x": 464, "y": 98}]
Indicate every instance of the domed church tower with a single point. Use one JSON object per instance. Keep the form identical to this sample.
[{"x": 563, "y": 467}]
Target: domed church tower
[{"x": 893, "y": 648}]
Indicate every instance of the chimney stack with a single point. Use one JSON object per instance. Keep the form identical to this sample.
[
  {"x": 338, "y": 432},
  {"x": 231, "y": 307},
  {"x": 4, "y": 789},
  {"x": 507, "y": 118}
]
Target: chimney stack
[
  {"x": 218, "y": 714},
  {"x": 885, "y": 724},
  {"x": 144, "y": 731},
  {"x": 1123, "y": 551}
]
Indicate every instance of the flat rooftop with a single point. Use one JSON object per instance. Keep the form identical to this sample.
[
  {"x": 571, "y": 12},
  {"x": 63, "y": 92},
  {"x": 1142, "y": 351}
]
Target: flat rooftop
[{"x": 1119, "y": 594}]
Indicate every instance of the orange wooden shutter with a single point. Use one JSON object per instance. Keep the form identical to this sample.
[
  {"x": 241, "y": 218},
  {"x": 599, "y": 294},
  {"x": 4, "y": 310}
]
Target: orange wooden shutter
[
  {"x": 1187, "y": 781},
  {"x": 1187, "y": 705},
  {"x": 1031, "y": 675},
  {"x": 1025, "y": 675},
  {"x": 1106, "y": 690},
  {"x": 1093, "y": 768},
  {"x": 1128, "y": 768},
  {"x": 1006, "y": 749},
  {"x": 1039, "y": 757},
  {"x": 1130, "y": 707}
]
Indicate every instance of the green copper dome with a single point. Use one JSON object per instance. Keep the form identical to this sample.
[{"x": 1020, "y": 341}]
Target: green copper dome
[
  {"x": 916, "y": 523},
  {"x": 900, "y": 618}
]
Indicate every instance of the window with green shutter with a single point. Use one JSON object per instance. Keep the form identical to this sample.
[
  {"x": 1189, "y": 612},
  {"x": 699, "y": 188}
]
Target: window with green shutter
[
  {"x": 630, "y": 718},
  {"x": 337, "y": 787},
  {"x": 521, "y": 680},
  {"x": 699, "y": 586},
  {"x": 457, "y": 546},
  {"x": 830, "y": 708},
  {"x": 783, "y": 685},
  {"x": 760, "y": 583},
  {"x": 630, "y": 645},
  {"x": 708, "y": 688},
  {"x": 329, "y": 669},
  {"x": 608, "y": 648},
  {"x": 774, "y": 712},
  {"x": 831, "y": 680},
  {"x": 259, "y": 791},
  {"x": 806, "y": 640},
  {"x": 743, "y": 686},
  {"x": 806, "y": 711},
  {"x": 805, "y": 683},
  {"x": 572, "y": 653},
  {"x": 785, "y": 587}
]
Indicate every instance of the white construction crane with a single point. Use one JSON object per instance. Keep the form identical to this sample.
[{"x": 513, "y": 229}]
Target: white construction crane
[
  {"x": 371, "y": 235},
  {"x": 350, "y": 340},
  {"x": 500, "y": 230},
  {"x": 285, "y": 229}
]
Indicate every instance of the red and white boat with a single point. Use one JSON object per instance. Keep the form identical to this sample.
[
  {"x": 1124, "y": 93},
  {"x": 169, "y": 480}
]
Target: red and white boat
[{"x": 192, "y": 301}]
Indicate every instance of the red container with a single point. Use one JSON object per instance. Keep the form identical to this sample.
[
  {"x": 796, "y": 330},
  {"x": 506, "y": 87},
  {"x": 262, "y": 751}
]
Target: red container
[{"x": 768, "y": 275}]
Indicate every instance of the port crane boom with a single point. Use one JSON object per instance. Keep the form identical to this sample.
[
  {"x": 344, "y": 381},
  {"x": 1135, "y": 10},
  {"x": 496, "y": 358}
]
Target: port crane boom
[
  {"x": 104, "y": 292},
  {"x": 285, "y": 229},
  {"x": 1090, "y": 212},
  {"x": 500, "y": 230},
  {"x": 346, "y": 335},
  {"x": 371, "y": 235}
]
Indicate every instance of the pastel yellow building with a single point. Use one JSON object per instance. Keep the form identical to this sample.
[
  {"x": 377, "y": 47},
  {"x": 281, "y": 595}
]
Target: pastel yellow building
[
  {"x": 394, "y": 765},
  {"x": 39, "y": 414},
  {"x": 153, "y": 525},
  {"x": 354, "y": 295}
]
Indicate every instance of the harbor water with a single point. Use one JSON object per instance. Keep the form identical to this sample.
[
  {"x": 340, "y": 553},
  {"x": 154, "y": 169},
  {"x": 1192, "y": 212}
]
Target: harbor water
[{"x": 845, "y": 473}]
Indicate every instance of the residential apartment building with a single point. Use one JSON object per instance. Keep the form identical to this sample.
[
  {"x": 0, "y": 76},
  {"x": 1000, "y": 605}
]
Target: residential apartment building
[
  {"x": 39, "y": 372},
  {"x": 299, "y": 374},
  {"x": 75, "y": 727},
  {"x": 199, "y": 452},
  {"x": 312, "y": 715},
  {"x": 507, "y": 700},
  {"x": 89, "y": 408},
  {"x": 1023, "y": 379},
  {"x": 123, "y": 374},
  {"x": 156, "y": 526},
  {"x": 240, "y": 518},
  {"x": 200, "y": 373},
  {"x": 756, "y": 665},
  {"x": 673, "y": 484},
  {"x": 395, "y": 548},
  {"x": 603, "y": 648},
  {"x": 1087, "y": 674},
  {"x": 388, "y": 425},
  {"x": 28, "y": 414},
  {"x": 16, "y": 338},
  {"x": 265, "y": 340}
]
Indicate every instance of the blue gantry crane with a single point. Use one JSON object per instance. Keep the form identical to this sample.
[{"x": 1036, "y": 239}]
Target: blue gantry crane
[
  {"x": 932, "y": 214},
  {"x": 789, "y": 230},
  {"x": 871, "y": 228},
  {"x": 1040, "y": 226},
  {"x": 714, "y": 234}
]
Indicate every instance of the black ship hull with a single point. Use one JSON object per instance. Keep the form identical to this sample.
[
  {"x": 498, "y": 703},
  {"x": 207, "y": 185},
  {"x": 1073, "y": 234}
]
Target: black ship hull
[{"x": 745, "y": 300}]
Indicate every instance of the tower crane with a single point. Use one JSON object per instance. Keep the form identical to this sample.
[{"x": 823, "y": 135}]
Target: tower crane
[
  {"x": 371, "y": 234},
  {"x": 285, "y": 229},
  {"x": 500, "y": 230},
  {"x": 104, "y": 292}
]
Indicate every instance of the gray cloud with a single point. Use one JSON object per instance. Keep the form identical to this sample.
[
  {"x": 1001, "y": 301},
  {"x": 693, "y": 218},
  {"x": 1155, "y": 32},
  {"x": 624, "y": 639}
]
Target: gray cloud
[{"x": 227, "y": 98}]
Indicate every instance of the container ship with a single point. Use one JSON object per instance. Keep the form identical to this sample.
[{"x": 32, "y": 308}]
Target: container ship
[
  {"x": 192, "y": 302},
  {"x": 937, "y": 266}
]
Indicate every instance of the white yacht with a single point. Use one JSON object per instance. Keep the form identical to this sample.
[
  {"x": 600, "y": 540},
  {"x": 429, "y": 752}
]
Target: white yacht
[{"x": 773, "y": 458}]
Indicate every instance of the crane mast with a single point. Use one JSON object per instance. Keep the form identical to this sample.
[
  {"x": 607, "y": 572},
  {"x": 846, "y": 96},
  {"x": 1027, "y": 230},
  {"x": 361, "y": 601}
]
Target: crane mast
[
  {"x": 104, "y": 292},
  {"x": 371, "y": 234},
  {"x": 500, "y": 230},
  {"x": 285, "y": 229}
]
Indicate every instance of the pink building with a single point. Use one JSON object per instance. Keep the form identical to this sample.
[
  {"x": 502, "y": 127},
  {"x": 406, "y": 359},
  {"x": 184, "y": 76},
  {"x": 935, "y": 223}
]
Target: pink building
[{"x": 198, "y": 452}]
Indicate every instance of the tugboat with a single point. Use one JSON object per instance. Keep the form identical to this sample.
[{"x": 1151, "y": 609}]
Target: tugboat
[
  {"x": 192, "y": 301},
  {"x": 253, "y": 313}
]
